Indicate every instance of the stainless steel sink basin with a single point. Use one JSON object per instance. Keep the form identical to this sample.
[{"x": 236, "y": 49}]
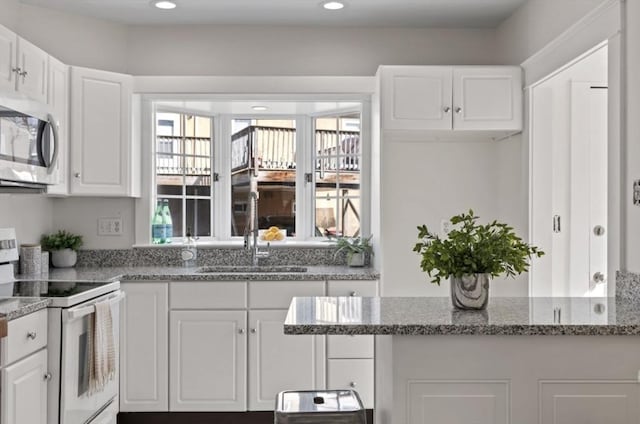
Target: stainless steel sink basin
[{"x": 245, "y": 269}]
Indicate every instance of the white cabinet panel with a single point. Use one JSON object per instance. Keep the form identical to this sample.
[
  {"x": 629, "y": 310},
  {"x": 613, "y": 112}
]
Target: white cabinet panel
[
  {"x": 101, "y": 143},
  {"x": 209, "y": 295},
  {"x": 487, "y": 98},
  {"x": 144, "y": 362},
  {"x": 58, "y": 101},
  {"x": 458, "y": 402},
  {"x": 25, "y": 335},
  {"x": 416, "y": 97},
  {"x": 278, "y": 294},
  {"x": 357, "y": 374},
  {"x": 279, "y": 362},
  {"x": 33, "y": 63},
  {"x": 8, "y": 45},
  {"x": 24, "y": 391},
  {"x": 208, "y": 360},
  {"x": 569, "y": 402}
]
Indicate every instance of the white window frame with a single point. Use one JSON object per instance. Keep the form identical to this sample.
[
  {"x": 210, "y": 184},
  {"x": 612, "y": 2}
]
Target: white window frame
[{"x": 221, "y": 164}]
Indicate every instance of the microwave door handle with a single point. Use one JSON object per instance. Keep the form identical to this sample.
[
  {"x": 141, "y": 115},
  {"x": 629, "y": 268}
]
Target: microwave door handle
[
  {"x": 54, "y": 130},
  {"x": 73, "y": 314}
]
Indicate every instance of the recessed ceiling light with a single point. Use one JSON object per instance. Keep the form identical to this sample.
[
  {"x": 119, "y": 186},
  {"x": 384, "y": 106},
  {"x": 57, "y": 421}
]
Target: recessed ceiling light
[
  {"x": 164, "y": 4},
  {"x": 333, "y": 5},
  {"x": 259, "y": 108}
]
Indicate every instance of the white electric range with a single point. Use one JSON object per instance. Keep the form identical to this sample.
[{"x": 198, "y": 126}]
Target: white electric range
[{"x": 69, "y": 321}]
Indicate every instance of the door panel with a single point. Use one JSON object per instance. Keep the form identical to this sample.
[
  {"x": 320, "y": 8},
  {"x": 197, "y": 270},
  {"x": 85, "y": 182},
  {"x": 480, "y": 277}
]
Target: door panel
[
  {"x": 8, "y": 42},
  {"x": 24, "y": 391},
  {"x": 33, "y": 63}
]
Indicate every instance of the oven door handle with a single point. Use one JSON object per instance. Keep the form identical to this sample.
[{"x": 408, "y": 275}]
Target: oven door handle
[{"x": 73, "y": 314}]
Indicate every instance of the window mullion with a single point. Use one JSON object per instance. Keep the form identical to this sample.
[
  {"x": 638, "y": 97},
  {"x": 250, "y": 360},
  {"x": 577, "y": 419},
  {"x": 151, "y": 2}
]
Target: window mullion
[
  {"x": 222, "y": 162},
  {"x": 304, "y": 189}
]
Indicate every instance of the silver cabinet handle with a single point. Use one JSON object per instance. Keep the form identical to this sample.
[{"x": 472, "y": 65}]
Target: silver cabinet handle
[
  {"x": 47, "y": 376},
  {"x": 17, "y": 70},
  {"x": 458, "y": 109},
  {"x": 241, "y": 331},
  {"x": 254, "y": 331},
  {"x": 446, "y": 109},
  {"x": 352, "y": 384},
  {"x": 353, "y": 293},
  {"x": 31, "y": 335},
  {"x": 598, "y": 277},
  {"x": 77, "y": 175},
  {"x": 23, "y": 73}
]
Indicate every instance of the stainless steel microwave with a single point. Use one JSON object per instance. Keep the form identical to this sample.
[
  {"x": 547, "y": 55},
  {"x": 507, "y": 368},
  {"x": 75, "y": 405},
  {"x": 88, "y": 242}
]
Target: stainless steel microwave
[{"x": 28, "y": 148}]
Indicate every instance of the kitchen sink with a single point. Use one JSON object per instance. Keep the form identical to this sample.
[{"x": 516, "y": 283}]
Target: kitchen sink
[{"x": 251, "y": 269}]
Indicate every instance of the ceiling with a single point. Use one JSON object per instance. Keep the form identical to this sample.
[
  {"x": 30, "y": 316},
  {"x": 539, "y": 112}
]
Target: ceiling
[
  {"x": 245, "y": 107},
  {"x": 398, "y": 13}
]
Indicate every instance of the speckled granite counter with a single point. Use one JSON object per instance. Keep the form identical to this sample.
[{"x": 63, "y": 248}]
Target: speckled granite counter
[
  {"x": 157, "y": 273},
  {"x": 16, "y": 307},
  {"x": 436, "y": 316}
]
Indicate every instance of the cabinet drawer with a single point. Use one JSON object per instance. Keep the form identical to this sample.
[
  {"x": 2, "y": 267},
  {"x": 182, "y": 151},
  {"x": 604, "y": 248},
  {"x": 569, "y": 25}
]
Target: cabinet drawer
[
  {"x": 278, "y": 294},
  {"x": 25, "y": 335},
  {"x": 208, "y": 295},
  {"x": 352, "y": 288},
  {"x": 350, "y": 346},
  {"x": 354, "y": 374}
]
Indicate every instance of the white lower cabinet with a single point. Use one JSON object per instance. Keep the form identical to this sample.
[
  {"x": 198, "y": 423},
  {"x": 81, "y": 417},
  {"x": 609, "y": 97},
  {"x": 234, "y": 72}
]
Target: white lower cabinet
[
  {"x": 208, "y": 361},
  {"x": 279, "y": 362},
  {"x": 23, "y": 397},
  {"x": 356, "y": 374},
  {"x": 144, "y": 346}
]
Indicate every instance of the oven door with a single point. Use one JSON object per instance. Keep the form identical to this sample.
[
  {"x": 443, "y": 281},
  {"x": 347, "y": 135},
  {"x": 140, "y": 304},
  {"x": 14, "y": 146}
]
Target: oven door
[{"x": 77, "y": 403}]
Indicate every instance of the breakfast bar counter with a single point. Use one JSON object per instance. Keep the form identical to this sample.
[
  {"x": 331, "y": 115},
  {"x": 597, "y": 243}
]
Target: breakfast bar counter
[{"x": 523, "y": 360}]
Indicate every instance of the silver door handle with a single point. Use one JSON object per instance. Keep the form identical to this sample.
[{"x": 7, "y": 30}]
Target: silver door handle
[
  {"x": 54, "y": 131},
  {"x": 458, "y": 109},
  {"x": 17, "y": 70},
  {"x": 353, "y": 293},
  {"x": 254, "y": 331},
  {"x": 32, "y": 335},
  {"x": 47, "y": 376},
  {"x": 241, "y": 331},
  {"x": 23, "y": 73},
  {"x": 598, "y": 277},
  {"x": 352, "y": 384},
  {"x": 446, "y": 109},
  {"x": 77, "y": 175}
]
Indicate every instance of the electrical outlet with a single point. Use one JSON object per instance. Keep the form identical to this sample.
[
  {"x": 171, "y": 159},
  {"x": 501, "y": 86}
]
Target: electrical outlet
[
  {"x": 445, "y": 227},
  {"x": 109, "y": 226}
]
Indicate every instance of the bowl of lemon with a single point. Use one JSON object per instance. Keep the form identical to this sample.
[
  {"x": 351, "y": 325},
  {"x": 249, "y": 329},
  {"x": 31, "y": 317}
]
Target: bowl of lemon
[{"x": 273, "y": 234}]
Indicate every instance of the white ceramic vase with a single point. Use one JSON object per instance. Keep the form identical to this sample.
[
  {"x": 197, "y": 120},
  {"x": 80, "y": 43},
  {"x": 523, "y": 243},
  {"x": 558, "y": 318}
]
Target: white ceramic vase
[
  {"x": 63, "y": 258},
  {"x": 356, "y": 259}
]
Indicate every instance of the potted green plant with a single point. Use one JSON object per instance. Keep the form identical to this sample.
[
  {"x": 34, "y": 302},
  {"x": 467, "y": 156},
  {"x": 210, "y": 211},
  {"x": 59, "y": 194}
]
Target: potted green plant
[
  {"x": 356, "y": 249},
  {"x": 63, "y": 246},
  {"x": 471, "y": 255}
]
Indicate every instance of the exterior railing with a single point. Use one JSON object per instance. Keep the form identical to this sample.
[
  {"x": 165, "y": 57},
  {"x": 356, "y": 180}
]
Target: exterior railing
[{"x": 260, "y": 147}]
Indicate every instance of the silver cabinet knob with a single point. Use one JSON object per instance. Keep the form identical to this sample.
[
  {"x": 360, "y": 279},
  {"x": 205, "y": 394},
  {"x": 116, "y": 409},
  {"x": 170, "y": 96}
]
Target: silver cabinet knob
[
  {"x": 77, "y": 175},
  {"x": 352, "y": 384},
  {"x": 598, "y": 230},
  {"x": 598, "y": 277},
  {"x": 17, "y": 70},
  {"x": 458, "y": 109},
  {"x": 241, "y": 331},
  {"x": 31, "y": 335},
  {"x": 254, "y": 331},
  {"x": 23, "y": 73},
  {"x": 47, "y": 376},
  {"x": 353, "y": 293},
  {"x": 446, "y": 109}
]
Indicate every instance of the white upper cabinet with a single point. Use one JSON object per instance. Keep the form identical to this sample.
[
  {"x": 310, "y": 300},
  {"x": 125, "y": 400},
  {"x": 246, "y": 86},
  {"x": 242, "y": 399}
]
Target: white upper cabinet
[
  {"x": 58, "y": 102},
  {"x": 23, "y": 67},
  {"x": 445, "y": 98},
  {"x": 487, "y": 98},
  {"x": 102, "y": 147}
]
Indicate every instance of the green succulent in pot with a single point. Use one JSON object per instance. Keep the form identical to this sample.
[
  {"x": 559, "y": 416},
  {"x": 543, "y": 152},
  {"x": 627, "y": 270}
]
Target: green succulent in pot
[
  {"x": 356, "y": 249},
  {"x": 63, "y": 246},
  {"x": 471, "y": 255}
]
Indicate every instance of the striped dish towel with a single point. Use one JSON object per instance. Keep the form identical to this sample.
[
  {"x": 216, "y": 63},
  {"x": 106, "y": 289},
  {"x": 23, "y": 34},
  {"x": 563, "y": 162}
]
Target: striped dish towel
[{"x": 102, "y": 355}]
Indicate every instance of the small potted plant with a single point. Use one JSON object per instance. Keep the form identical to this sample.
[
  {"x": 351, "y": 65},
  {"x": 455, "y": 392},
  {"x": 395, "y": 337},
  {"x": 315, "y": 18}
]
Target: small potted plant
[
  {"x": 356, "y": 249},
  {"x": 471, "y": 255},
  {"x": 63, "y": 246}
]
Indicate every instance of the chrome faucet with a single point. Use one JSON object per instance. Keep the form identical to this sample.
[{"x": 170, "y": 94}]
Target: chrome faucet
[{"x": 251, "y": 231}]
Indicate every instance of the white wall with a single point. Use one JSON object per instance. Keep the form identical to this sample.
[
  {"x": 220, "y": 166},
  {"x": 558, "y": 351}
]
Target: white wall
[
  {"x": 535, "y": 24},
  {"x": 260, "y": 50},
  {"x": 30, "y": 214}
]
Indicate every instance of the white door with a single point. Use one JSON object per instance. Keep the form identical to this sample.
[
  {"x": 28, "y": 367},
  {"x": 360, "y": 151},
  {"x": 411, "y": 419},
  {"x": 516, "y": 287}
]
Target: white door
[
  {"x": 33, "y": 63},
  {"x": 416, "y": 97},
  {"x": 279, "y": 362},
  {"x": 8, "y": 44},
  {"x": 58, "y": 101},
  {"x": 100, "y": 132},
  {"x": 144, "y": 347},
  {"x": 24, "y": 391},
  {"x": 487, "y": 98},
  {"x": 208, "y": 361}
]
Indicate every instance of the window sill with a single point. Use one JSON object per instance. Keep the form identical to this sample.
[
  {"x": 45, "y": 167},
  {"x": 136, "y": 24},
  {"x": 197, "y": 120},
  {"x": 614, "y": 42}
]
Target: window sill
[{"x": 240, "y": 244}]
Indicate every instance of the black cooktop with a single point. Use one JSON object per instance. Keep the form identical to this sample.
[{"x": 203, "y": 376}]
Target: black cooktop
[{"x": 46, "y": 288}]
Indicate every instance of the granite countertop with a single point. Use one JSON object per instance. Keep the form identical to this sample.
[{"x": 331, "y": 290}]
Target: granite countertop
[
  {"x": 436, "y": 316},
  {"x": 16, "y": 307},
  {"x": 159, "y": 273}
]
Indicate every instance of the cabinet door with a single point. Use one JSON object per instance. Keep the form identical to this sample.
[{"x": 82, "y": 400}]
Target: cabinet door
[
  {"x": 24, "y": 391},
  {"x": 8, "y": 42},
  {"x": 279, "y": 362},
  {"x": 58, "y": 101},
  {"x": 356, "y": 374},
  {"x": 144, "y": 362},
  {"x": 487, "y": 98},
  {"x": 33, "y": 63},
  {"x": 569, "y": 402},
  {"x": 416, "y": 97},
  {"x": 100, "y": 133},
  {"x": 208, "y": 360}
]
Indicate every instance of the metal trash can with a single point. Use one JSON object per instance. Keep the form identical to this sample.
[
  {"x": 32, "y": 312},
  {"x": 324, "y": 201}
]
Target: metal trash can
[{"x": 319, "y": 407}]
